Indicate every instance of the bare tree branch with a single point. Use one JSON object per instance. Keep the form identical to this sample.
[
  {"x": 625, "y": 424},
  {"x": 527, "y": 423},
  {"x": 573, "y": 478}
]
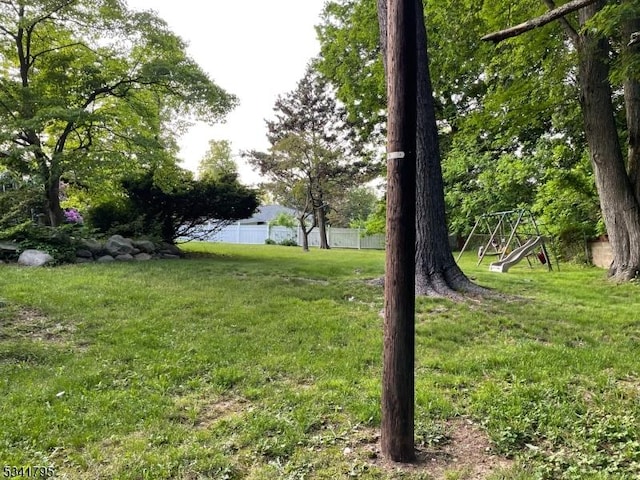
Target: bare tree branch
[
  {"x": 538, "y": 21},
  {"x": 568, "y": 28},
  {"x": 55, "y": 49}
]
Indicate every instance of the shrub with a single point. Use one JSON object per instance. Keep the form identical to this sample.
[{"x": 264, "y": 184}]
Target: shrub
[
  {"x": 270, "y": 241},
  {"x": 189, "y": 208},
  {"x": 289, "y": 242},
  {"x": 115, "y": 217},
  {"x": 60, "y": 242}
]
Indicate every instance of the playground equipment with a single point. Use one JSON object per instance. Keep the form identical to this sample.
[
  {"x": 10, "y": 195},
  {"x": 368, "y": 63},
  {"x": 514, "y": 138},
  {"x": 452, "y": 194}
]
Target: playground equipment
[{"x": 513, "y": 236}]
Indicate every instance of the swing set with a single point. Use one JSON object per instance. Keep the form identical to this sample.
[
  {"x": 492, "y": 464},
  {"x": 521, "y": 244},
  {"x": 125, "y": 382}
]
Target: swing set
[{"x": 513, "y": 236}]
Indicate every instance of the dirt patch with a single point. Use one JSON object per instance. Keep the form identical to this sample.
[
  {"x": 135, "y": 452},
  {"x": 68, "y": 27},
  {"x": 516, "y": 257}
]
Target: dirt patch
[
  {"x": 467, "y": 454},
  {"x": 32, "y": 324},
  {"x": 203, "y": 413},
  {"x": 213, "y": 412}
]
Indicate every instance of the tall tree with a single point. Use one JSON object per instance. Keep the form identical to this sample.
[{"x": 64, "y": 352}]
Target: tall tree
[
  {"x": 616, "y": 179},
  {"x": 311, "y": 139},
  {"x": 290, "y": 171},
  {"x": 436, "y": 270},
  {"x": 353, "y": 209},
  {"x": 88, "y": 86},
  {"x": 217, "y": 161}
]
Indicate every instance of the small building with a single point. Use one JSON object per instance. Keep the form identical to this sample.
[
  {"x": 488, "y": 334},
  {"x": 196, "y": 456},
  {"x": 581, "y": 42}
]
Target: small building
[{"x": 266, "y": 213}]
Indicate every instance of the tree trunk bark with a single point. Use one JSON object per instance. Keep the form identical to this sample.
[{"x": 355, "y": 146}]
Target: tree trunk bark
[
  {"x": 618, "y": 201},
  {"x": 52, "y": 202},
  {"x": 437, "y": 273},
  {"x": 632, "y": 110},
  {"x": 305, "y": 235},
  {"x": 322, "y": 227}
]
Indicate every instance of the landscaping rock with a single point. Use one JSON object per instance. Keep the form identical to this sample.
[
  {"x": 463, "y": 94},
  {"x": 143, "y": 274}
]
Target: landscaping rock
[
  {"x": 126, "y": 257},
  {"x": 9, "y": 247},
  {"x": 142, "y": 257},
  {"x": 118, "y": 245},
  {"x": 168, "y": 249},
  {"x": 145, "y": 246},
  {"x": 94, "y": 246},
  {"x": 168, "y": 256},
  {"x": 34, "y": 258},
  {"x": 82, "y": 253},
  {"x": 106, "y": 259},
  {"x": 84, "y": 260}
]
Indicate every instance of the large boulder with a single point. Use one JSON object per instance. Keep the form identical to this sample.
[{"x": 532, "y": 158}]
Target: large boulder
[
  {"x": 144, "y": 246},
  {"x": 83, "y": 253},
  {"x": 118, "y": 245},
  {"x": 169, "y": 249},
  {"x": 34, "y": 258},
  {"x": 94, "y": 246}
]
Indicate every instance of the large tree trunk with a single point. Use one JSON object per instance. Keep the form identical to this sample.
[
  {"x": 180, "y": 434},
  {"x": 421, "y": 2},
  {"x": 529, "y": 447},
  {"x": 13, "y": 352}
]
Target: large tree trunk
[
  {"x": 618, "y": 201},
  {"x": 437, "y": 273},
  {"x": 632, "y": 109}
]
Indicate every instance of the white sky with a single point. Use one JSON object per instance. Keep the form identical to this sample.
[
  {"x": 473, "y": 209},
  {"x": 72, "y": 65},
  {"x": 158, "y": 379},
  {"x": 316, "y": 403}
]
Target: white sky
[{"x": 255, "y": 49}]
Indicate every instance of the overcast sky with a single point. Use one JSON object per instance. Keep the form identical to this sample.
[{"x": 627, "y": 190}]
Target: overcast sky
[{"x": 255, "y": 49}]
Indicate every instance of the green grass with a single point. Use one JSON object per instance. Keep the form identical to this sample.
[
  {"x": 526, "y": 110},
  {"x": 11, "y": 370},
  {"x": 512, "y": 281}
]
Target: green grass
[{"x": 265, "y": 362}]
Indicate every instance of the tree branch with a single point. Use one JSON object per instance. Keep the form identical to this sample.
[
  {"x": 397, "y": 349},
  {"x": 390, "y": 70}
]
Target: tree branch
[
  {"x": 55, "y": 49},
  {"x": 538, "y": 21},
  {"x": 568, "y": 28}
]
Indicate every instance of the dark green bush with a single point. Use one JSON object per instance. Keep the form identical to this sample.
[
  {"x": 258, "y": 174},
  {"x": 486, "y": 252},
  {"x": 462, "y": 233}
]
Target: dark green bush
[
  {"x": 270, "y": 241},
  {"x": 115, "y": 217},
  {"x": 59, "y": 242},
  {"x": 289, "y": 242}
]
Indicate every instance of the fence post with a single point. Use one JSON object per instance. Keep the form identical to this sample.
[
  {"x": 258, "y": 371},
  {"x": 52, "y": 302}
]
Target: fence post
[
  {"x": 359, "y": 238},
  {"x": 238, "y": 232}
]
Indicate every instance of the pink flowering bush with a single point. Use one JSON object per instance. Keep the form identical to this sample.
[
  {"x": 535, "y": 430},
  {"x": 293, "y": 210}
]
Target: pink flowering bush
[{"x": 72, "y": 215}]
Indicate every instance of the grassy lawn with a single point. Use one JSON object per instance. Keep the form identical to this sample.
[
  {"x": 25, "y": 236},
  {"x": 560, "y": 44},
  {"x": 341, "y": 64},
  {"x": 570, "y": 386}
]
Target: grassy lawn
[{"x": 263, "y": 362}]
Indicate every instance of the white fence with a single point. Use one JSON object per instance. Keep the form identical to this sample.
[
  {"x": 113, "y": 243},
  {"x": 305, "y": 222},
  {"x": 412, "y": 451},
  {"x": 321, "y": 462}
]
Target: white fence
[{"x": 258, "y": 234}]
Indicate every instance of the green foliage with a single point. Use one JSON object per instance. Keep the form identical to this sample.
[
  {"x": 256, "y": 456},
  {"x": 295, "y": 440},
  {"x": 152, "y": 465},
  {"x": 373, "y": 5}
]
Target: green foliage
[
  {"x": 313, "y": 157},
  {"x": 289, "y": 242},
  {"x": 270, "y": 241},
  {"x": 59, "y": 242},
  {"x": 20, "y": 204},
  {"x": 376, "y": 221},
  {"x": 353, "y": 208},
  {"x": 92, "y": 90},
  {"x": 184, "y": 207},
  {"x": 217, "y": 162},
  {"x": 116, "y": 217},
  {"x": 284, "y": 220},
  {"x": 499, "y": 147}
]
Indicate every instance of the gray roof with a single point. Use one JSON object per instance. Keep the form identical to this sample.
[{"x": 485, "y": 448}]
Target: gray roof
[{"x": 266, "y": 213}]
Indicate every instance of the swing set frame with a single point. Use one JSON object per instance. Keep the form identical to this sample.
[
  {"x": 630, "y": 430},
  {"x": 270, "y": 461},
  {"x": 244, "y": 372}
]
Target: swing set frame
[{"x": 519, "y": 223}]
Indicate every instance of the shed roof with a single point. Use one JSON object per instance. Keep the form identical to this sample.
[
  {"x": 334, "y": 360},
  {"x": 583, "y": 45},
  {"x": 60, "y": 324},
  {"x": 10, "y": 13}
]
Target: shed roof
[{"x": 266, "y": 213}]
